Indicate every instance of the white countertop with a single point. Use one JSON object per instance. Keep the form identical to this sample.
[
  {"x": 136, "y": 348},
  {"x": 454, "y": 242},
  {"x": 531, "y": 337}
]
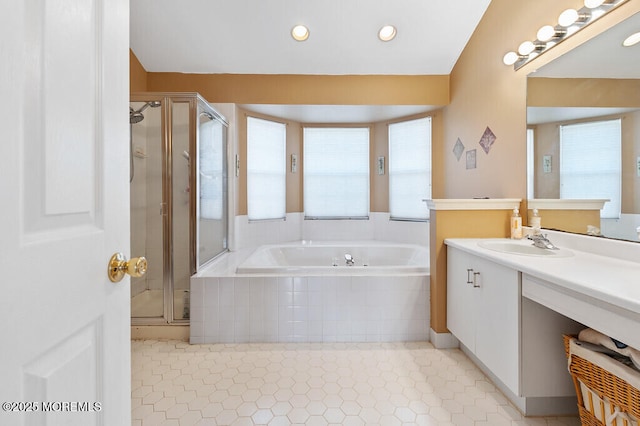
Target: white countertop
[{"x": 603, "y": 278}]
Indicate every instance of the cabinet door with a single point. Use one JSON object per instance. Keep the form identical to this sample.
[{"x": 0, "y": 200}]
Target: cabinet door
[
  {"x": 460, "y": 304},
  {"x": 498, "y": 320}
]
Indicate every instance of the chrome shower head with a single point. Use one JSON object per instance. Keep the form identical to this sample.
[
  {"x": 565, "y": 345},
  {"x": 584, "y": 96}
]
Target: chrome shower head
[{"x": 136, "y": 116}]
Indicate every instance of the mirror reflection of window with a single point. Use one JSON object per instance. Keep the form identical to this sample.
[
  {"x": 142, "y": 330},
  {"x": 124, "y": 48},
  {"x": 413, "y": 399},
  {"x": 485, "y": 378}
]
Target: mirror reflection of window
[
  {"x": 591, "y": 163},
  {"x": 530, "y": 163}
]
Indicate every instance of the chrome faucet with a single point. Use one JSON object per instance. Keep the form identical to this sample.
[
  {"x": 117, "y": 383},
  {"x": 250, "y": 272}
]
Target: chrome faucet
[
  {"x": 541, "y": 240},
  {"x": 349, "y": 259}
]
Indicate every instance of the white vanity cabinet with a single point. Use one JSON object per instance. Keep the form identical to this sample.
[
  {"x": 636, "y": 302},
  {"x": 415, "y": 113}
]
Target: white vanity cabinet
[
  {"x": 483, "y": 312},
  {"x": 515, "y": 340}
]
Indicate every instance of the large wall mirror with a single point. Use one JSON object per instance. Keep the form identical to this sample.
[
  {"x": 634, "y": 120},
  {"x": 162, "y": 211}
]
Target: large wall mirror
[{"x": 583, "y": 116}]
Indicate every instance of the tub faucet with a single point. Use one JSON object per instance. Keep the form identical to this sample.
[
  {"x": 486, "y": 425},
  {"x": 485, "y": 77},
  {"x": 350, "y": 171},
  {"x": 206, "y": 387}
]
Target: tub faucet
[
  {"x": 541, "y": 240},
  {"x": 349, "y": 259}
]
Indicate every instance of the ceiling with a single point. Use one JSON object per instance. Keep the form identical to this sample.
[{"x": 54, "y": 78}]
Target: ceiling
[{"x": 253, "y": 37}]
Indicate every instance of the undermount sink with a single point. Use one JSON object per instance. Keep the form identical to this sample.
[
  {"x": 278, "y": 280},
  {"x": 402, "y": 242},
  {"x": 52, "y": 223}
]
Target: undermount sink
[{"x": 523, "y": 248}]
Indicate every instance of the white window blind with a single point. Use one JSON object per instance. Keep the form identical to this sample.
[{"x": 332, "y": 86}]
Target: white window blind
[
  {"x": 336, "y": 172},
  {"x": 266, "y": 168},
  {"x": 211, "y": 178},
  {"x": 530, "y": 163},
  {"x": 590, "y": 163},
  {"x": 409, "y": 169}
]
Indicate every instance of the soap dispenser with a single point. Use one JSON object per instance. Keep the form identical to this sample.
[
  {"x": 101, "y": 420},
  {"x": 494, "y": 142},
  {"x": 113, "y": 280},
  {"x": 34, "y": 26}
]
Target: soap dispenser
[
  {"x": 535, "y": 222},
  {"x": 516, "y": 225}
]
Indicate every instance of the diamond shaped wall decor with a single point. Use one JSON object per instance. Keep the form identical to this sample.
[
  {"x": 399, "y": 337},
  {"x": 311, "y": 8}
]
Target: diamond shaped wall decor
[
  {"x": 487, "y": 139},
  {"x": 458, "y": 149}
]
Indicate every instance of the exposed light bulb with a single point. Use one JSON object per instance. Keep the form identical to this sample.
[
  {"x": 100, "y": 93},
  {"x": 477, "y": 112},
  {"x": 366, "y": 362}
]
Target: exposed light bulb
[
  {"x": 568, "y": 17},
  {"x": 592, "y": 4},
  {"x": 549, "y": 32},
  {"x": 526, "y": 48},
  {"x": 387, "y": 33},
  {"x": 300, "y": 33},
  {"x": 510, "y": 58},
  {"x": 546, "y": 33},
  {"x": 633, "y": 39},
  {"x": 572, "y": 16}
]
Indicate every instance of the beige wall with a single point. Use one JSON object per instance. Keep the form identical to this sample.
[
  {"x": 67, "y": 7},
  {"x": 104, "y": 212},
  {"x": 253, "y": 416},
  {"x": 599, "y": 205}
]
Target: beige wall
[
  {"x": 582, "y": 92},
  {"x": 137, "y": 74},
  {"x": 485, "y": 92},
  {"x": 308, "y": 89}
]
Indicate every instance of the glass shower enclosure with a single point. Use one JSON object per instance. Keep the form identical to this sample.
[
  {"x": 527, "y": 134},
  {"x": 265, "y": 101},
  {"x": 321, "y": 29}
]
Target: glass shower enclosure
[{"x": 179, "y": 208}]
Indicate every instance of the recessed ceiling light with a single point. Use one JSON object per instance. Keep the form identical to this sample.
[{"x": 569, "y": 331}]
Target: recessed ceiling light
[
  {"x": 631, "y": 40},
  {"x": 300, "y": 33},
  {"x": 387, "y": 33}
]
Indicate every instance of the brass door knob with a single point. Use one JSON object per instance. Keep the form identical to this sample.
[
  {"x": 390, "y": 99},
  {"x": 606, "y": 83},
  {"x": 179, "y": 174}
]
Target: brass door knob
[{"x": 119, "y": 265}]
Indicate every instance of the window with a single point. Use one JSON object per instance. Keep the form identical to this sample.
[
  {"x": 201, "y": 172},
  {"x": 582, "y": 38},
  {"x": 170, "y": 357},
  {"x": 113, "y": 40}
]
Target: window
[
  {"x": 590, "y": 163},
  {"x": 336, "y": 172},
  {"x": 409, "y": 169},
  {"x": 266, "y": 168},
  {"x": 531, "y": 153}
]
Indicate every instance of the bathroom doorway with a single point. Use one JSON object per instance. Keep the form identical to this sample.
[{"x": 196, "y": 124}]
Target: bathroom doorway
[{"x": 178, "y": 187}]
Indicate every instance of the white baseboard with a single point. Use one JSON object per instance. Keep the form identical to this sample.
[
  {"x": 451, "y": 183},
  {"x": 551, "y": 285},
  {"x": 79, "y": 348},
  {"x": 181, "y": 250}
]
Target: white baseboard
[{"x": 443, "y": 340}]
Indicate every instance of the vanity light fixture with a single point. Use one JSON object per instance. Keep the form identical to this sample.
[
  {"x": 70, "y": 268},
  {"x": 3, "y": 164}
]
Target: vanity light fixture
[
  {"x": 592, "y": 4},
  {"x": 569, "y": 22},
  {"x": 549, "y": 32},
  {"x": 632, "y": 40},
  {"x": 511, "y": 58},
  {"x": 526, "y": 48},
  {"x": 300, "y": 33},
  {"x": 387, "y": 33},
  {"x": 572, "y": 16}
]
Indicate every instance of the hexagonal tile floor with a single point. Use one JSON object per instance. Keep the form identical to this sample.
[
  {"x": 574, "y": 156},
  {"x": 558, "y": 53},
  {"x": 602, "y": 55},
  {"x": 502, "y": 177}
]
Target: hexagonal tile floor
[{"x": 175, "y": 383}]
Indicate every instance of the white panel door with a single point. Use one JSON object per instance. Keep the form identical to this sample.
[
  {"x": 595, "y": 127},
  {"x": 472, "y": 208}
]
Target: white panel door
[{"x": 64, "y": 210}]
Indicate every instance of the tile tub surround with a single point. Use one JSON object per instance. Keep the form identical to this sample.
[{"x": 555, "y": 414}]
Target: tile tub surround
[{"x": 309, "y": 309}]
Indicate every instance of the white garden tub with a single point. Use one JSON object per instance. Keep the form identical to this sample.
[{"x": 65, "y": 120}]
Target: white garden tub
[
  {"x": 293, "y": 293},
  {"x": 330, "y": 258}
]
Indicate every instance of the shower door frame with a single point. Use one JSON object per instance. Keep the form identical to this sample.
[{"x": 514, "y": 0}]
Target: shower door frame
[{"x": 167, "y": 99}]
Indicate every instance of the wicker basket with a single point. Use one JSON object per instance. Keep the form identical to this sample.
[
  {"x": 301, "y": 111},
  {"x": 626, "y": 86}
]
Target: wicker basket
[{"x": 605, "y": 395}]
